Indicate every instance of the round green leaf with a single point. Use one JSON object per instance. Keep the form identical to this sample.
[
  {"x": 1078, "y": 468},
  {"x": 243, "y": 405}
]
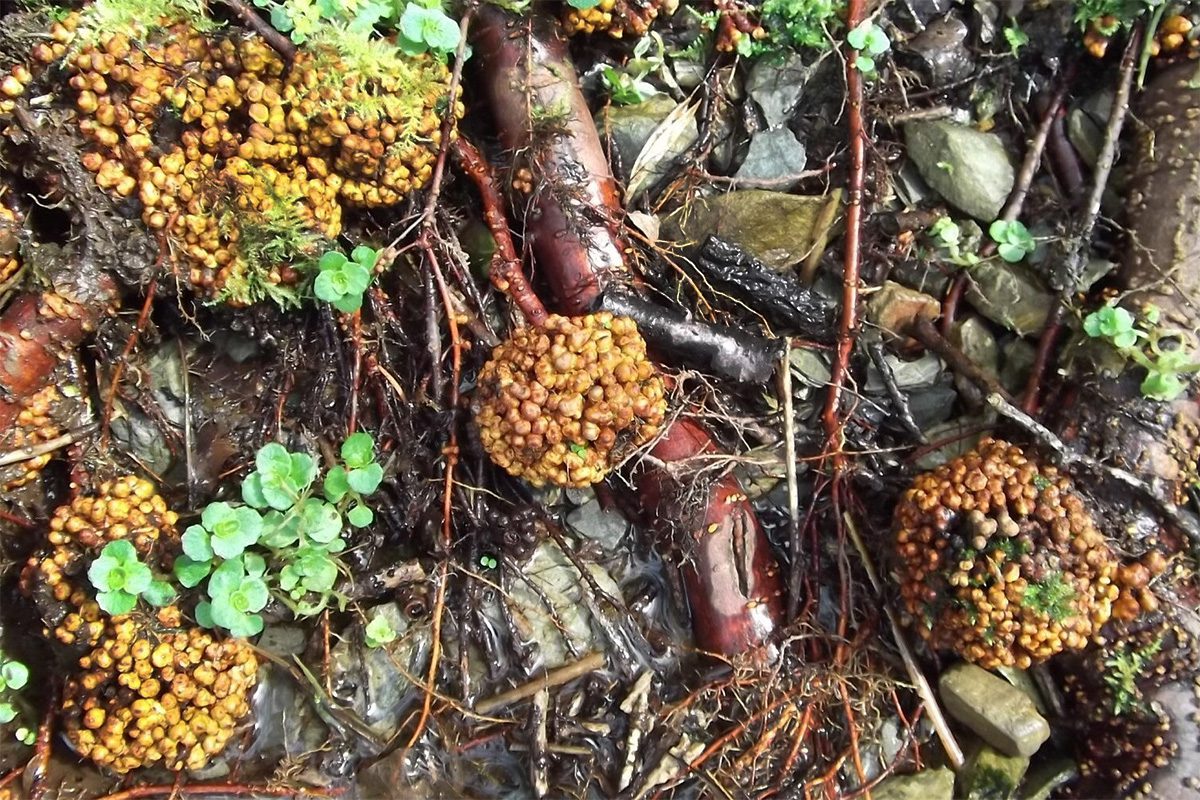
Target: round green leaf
[
  {"x": 279, "y": 530},
  {"x": 121, "y": 550},
  {"x": 195, "y": 544},
  {"x": 204, "y": 615},
  {"x": 159, "y": 594},
  {"x": 320, "y": 521},
  {"x": 379, "y": 631},
  {"x": 116, "y": 602},
  {"x": 254, "y": 564},
  {"x": 336, "y": 485},
  {"x": 358, "y": 450},
  {"x": 101, "y": 570},
  {"x": 138, "y": 578},
  {"x": 349, "y": 303},
  {"x": 273, "y": 459},
  {"x": 252, "y": 492},
  {"x": 331, "y": 285},
  {"x": 302, "y": 471},
  {"x": 190, "y": 572},
  {"x": 8, "y": 713},
  {"x": 226, "y": 578},
  {"x": 331, "y": 260},
  {"x": 360, "y": 516},
  {"x": 15, "y": 674},
  {"x": 365, "y": 480},
  {"x": 366, "y": 256},
  {"x": 256, "y": 594}
]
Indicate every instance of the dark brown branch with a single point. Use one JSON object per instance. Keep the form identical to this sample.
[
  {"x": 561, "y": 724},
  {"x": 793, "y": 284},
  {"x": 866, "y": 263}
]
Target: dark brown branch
[{"x": 278, "y": 42}]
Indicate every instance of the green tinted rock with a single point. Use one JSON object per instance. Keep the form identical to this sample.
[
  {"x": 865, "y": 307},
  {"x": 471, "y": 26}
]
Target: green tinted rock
[
  {"x": 781, "y": 230},
  {"x": 969, "y": 169},
  {"x": 929, "y": 784},
  {"x": 1000, "y": 713},
  {"x": 991, "y": 775}
]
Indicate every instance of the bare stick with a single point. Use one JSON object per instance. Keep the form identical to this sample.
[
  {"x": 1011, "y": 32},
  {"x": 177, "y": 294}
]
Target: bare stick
[
  {"x": 953, "y": 752},
  {"x": 555, "y": 677},
  {"x": 793, "y": 488},
  {"x": 48, "y": 446},
  {"x": 278, "y": 42}
]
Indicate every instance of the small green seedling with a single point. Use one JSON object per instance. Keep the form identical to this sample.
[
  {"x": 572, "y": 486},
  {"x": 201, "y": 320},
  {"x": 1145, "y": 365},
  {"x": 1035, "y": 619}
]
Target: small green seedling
[
  {"x": 284, "y": 541},
  {"x": 14, "y": 676},
  {"x": 120, "y": 578},
  {"x": 1148, "y": 346},
  {"x": 1013, "y": 240},
  {"x": 379, "y": 631},
  {"x": 869, "y": 40},
  {"x": 237, "y": 592},
  {"x": 1125, "y": 669},
  {"x": 488, "y": 561},
  {"x": 949, "y": 236},
  {"x": 1016, "y": 38},
  {"x": 342, "y": 281}
]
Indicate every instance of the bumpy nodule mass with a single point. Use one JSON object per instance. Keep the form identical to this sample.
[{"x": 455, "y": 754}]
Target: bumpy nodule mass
[
  {"x": 616, "y": 17},
  {"x": 999, "y": 560},
  {"x": 147, "y": 696},
  {"x": 242, "y": 163},
  {"x": 558, "y": 403}
]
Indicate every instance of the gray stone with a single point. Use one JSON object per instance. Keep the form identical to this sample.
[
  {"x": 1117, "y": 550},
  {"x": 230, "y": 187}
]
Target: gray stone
[
  {"x": 383, "y": 698},
  {"x": 598, "y": 524},
  {"x": 1007, "y": 295},
  {"x": 942, "y": 51},
  {"x": 628, "y": 128},
  {"x": 773, "y": 154},
  {"x": 917, "y": 373},
  {"x": 550, "y": 577},
  {"x": 1001, "y": 714},
  {"x": 969, "y": 169},
  {"x": 932, "y": 405},
  {"x": 894, "y": 309},
  {"x": 1086, "y": 123},
  {"x": 992, "y": 775},
  {"x": 929, "y": 784},
  {"x": 1018, "y": 360},
  {"x": 1048, "y": 776},
  {"x": 777, "y": 87},
  {"x": 977, "y": 343},
  {"x": 781, "y": 230}
]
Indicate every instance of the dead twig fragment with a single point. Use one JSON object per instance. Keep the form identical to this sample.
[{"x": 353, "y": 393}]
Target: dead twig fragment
[
  {"x": 278, "y": 42},
  {"x": 555, "y": 677}
]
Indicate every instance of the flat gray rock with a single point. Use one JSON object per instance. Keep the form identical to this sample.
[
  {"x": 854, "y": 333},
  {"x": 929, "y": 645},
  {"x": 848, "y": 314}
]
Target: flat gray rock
[
  {"x": 628, "y": 128},
  {"x": 969, "y": 169},
  {"x": 1001, "y": 714},
  {"x": 1008, "y": 295},
  {"x": 777, "y": 87},
  {"x": 773, "y": 155}
]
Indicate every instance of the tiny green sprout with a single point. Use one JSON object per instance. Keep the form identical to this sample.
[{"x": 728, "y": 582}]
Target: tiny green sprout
[
  {"x": 946, "y": 231},
  {"x": 341, "y": 280},
  {"x": 427, "y": 28},
  {"x": 1016, "y": 38},
  {"x": 1113, "y": 323},
  {"x": 119, "y": 577},
  {"x": 26, "y": 736},
  {"x": 488, "y": 561},
  {"x": 224, "y": 531},
  {"x": 237, "y": 592},
  {"x": 869, "y": 40},
  {"x": 8, "y": 712},
  {"x": 13, "y": 675},
  {"x": 279, "y": 479},
  {"x": 578, "y": 449},
  {"x": 1013, "y": 240},
  {"x": 626, "y": 89},
  {"x": 583, "y": 5},
  {"x": 379, "y": 631}
]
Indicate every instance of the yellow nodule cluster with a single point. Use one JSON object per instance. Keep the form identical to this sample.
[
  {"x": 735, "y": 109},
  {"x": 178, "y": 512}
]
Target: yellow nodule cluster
[
  {"x": 555, "y": 403},
  {"x": 617, "y": 18},
  {"x": 1174, "y": 36},
  {"x": 242, "y": 162},
  {"x": 125, "y": 508},
  {"x": 148, "y": 691},
  {"x": 151, "y": 695},
  {"x": 10, "y": 237},
  {"x": 999, "y": 560},
  {"x": 35, "y": 425}
]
